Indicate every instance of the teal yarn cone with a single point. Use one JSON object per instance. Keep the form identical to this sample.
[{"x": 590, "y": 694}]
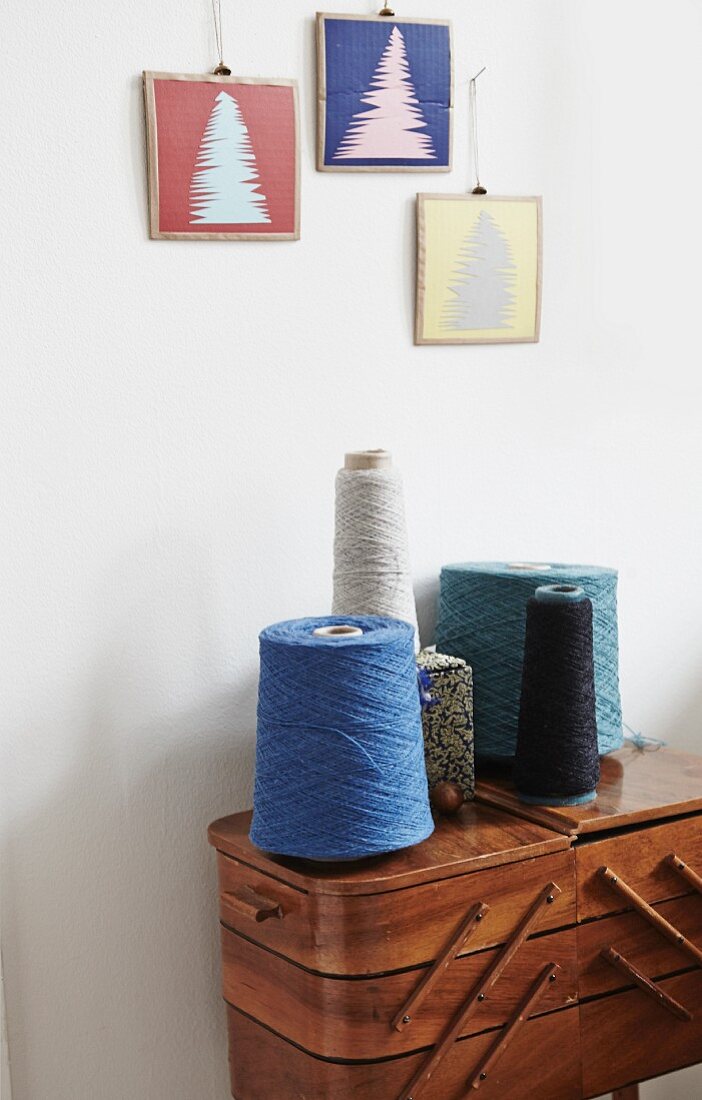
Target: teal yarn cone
[
  {"x": 482, "y": 618},
  {"x": 340, "y": 768}
]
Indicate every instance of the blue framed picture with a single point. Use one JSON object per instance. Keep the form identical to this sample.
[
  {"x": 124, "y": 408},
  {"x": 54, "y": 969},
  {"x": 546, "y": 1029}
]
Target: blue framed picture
[{"x": 385, "y": 94}]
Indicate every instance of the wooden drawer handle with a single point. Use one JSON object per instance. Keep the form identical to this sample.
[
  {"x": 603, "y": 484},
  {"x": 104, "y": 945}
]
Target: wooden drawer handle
[
  {"x": 514, "y": 1024},
  {"x": 684, "y": 871},
  {"x": 646, "y": 984},
  {"x": 465, "y": 930},
  {"x": 648, "y": 913},
  {"x": 480, "y": 991},
  {"x": 248, "y": 903}
]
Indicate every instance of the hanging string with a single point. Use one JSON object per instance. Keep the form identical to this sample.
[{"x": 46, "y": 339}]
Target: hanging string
[
  {"x": 473, "y": 126},
  {"x": 221, "y": 69}
]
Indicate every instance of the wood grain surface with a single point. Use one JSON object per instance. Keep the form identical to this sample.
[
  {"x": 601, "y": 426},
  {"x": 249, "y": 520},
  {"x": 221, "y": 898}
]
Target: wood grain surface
[
  {"x": 644, "y": 983},
  {"x": 353, "y": 935},
  {"x": 475, "y": 838},
  {"x": 546, "y": 1052},
  {"x": 352, "y": 1019},
  {"x": 628, "y": 1037},
  {"x": 640, "y": 858},
  {"x": 634, "y": 787},
  {"x": 638, "y": 942}
]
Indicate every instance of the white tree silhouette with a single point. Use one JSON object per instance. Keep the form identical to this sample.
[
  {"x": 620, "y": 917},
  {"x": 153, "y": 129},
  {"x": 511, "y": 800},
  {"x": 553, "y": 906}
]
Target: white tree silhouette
[
  {"x": 222, "y": 190},
  {"x": 389, "y": 130},
  {"x": 481, "y": 293}
]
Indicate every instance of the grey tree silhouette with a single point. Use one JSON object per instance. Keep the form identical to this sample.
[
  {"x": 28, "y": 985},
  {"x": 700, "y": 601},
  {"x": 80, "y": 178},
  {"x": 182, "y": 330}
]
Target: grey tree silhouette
[{"x": 481, "y": 294}]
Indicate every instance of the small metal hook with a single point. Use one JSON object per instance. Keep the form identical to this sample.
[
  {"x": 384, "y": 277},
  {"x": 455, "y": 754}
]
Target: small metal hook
[{"x": 474, "y": 78}]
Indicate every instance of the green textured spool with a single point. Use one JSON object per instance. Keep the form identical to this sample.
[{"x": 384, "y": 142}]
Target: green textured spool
[{"x": 448, "y": 722}]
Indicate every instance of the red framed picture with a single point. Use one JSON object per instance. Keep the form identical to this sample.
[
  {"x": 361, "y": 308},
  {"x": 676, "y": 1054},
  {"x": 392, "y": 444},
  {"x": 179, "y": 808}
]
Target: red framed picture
[{"x": 223, "y": 157}]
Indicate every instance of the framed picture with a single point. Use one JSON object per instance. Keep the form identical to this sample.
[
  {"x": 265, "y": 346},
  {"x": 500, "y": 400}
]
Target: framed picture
[
  {"x": 223, "y": 158},
  {"x": 478, "y": 269},
  {"x": 384, "y": 94}
]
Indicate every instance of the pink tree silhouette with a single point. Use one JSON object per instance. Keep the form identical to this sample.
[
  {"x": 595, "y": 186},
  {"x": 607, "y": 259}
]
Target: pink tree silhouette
[{"x": 389, "y": 130}]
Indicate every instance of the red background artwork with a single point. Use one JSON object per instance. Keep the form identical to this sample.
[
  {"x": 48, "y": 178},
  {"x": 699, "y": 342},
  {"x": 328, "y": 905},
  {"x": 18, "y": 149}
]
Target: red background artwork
[{"x": 182, "y": 111}]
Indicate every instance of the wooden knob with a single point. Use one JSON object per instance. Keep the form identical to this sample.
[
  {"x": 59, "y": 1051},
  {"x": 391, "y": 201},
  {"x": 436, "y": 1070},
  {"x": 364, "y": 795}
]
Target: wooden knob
[{"x": 447, "y": 798}]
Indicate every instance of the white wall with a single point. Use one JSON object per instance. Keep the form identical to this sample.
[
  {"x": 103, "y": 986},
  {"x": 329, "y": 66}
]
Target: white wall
[{"x": 175, "y": 414}]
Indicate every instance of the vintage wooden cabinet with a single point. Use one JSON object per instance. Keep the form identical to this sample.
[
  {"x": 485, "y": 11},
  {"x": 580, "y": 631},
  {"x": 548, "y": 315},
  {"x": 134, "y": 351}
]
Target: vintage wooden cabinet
[
  {"x": 638, "y": 867},
  {"x": 496, "y": 957}
]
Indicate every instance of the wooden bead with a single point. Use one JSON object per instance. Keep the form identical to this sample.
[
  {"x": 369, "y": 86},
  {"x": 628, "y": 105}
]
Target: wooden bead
[{"x": 447, "y": 798}]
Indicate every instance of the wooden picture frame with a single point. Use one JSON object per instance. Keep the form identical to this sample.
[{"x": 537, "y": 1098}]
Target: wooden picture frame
[
  {"x": 461, "y": 240},
  {"x": 431, "y": 138},
  {"x": 267, "y": 196}
]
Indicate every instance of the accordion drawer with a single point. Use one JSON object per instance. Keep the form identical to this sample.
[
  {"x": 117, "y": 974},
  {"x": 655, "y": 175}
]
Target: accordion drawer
[
  {"x": 265, "y": 1066},
  {"x": 373, "y": 933},
  {"x": 640, "y": 860},
  {"x": 639, "y": 942},
  {"x": 629, "y": 1037},
  {"x": 353, "y": 1019}
]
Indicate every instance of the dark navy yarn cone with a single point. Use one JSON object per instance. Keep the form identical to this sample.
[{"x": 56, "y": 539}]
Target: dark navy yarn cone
[
  {"x": 340, "y": 768},
  {"x": 557, "y": 761}
]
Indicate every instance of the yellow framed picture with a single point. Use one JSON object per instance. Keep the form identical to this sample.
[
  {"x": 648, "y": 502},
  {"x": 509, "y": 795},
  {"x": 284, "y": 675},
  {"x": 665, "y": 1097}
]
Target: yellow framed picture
[{"x": 478, "y": 269}]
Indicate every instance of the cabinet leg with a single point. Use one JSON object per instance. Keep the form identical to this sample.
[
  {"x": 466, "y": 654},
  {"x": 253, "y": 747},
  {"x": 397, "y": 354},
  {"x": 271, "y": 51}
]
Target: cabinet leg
[{"x": 631, "y": 1092}]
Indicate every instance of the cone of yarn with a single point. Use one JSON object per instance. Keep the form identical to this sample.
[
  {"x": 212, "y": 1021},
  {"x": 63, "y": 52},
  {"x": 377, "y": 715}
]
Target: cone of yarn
[
  {"x": 557, "y": 761},
  {"x": 482, "y": 617},
  {"x": 447, "y": 720},
  {"x": 371, "y": 555},
  {"x": 339, "y": 750}
]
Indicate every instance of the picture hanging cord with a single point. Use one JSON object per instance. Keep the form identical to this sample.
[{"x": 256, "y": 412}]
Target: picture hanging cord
[
  {"x": 473, "y": 127},
  {"x": 221, "y": 69}
]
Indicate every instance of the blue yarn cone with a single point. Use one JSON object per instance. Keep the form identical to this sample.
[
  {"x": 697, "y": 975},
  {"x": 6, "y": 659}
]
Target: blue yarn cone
[{"x": 340, "y": 768}]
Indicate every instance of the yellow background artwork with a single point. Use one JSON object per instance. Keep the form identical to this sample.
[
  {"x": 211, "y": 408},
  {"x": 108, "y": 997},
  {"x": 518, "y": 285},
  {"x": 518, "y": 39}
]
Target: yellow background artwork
[{"x": 444, "y": 223}]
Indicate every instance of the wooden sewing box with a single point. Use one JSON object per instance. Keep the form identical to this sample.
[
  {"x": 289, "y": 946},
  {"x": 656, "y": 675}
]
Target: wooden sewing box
[{"x": 520, "y": 951}]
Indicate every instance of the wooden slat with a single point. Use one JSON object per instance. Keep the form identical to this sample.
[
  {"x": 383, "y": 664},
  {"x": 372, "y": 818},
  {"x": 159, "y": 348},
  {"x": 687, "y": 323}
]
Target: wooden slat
[
  {"x": 527, "y": 924},
  {"x": 681, "y": 868},
  {"x": 467, "y": 928},
  {"x": 514, "y": 1025},
  {"x": 656, "y": 919},
  {"x": 645, "y": 984},
  {"x": 638, "y": 941}
]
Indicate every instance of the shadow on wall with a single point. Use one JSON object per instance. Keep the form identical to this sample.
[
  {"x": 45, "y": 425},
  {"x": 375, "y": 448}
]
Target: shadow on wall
[
  {"x": 111, "y": 957},
  {"x": 426, "y": 595}
]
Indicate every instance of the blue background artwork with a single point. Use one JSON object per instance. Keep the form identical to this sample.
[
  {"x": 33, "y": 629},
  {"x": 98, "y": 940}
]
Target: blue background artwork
[{"x": 353, "y": 48}]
